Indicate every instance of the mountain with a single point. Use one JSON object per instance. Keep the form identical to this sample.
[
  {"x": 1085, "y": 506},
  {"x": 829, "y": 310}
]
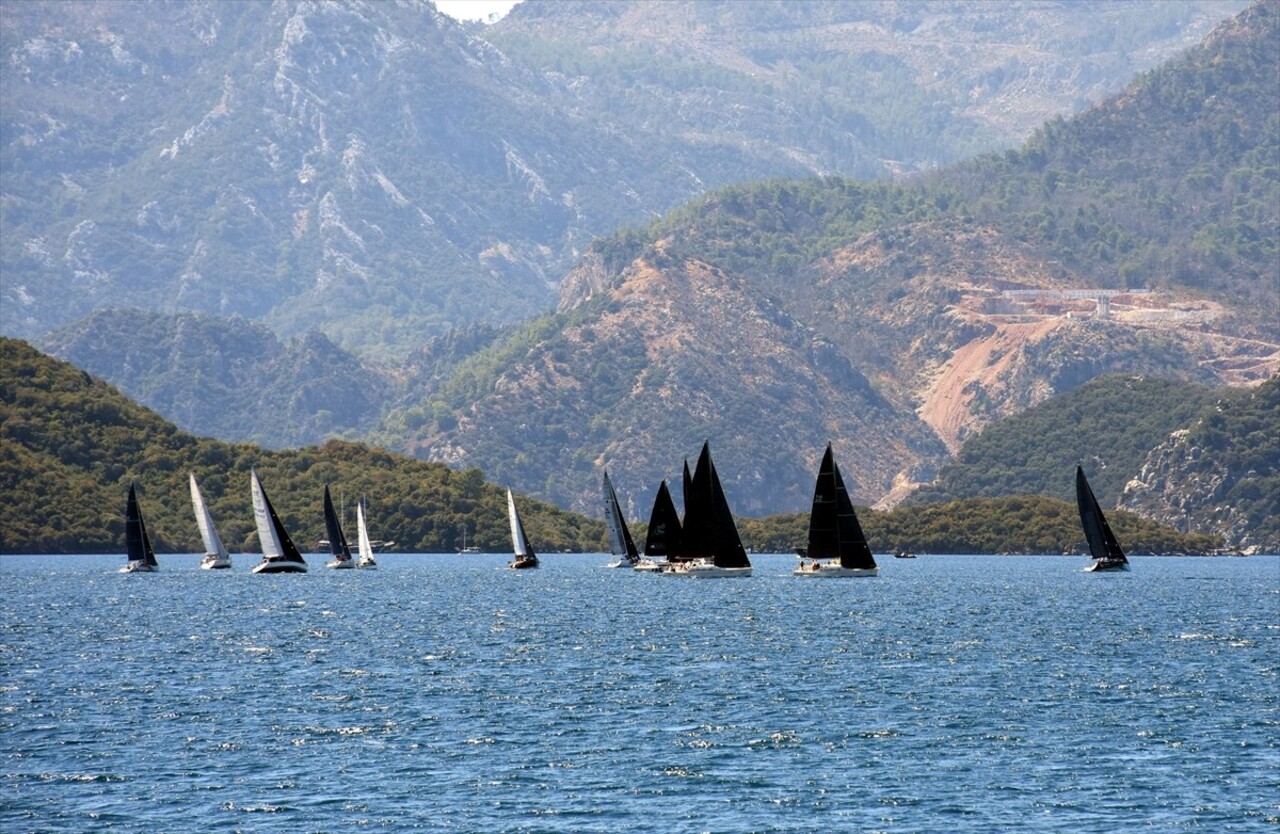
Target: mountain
[
  {"x": 229, "y": 378},
  {"x": 1109, "y": 425},
  {"x": 1221, "y": 473},
  {"x": 896, "y": 319},
  {"x": 382, "y": 173},
  {"x": 70, "y": 446}
]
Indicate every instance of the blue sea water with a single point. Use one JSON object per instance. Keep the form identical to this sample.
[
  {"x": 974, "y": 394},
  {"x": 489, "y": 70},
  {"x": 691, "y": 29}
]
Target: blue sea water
[{"x": 446, "y": 693}]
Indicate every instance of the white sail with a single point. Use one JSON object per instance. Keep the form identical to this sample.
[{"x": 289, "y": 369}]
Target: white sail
[
  {"x": 272, "y": 548},
  {"x": 519, "y": 543},
  {"x": 208, "y": 533},
  {"x": 362, "y": 534}
]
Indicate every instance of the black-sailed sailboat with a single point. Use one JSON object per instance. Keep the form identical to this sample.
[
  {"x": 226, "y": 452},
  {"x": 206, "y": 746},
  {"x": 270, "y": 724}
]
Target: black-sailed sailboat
[
  {"x": 662, "y": 541},
  {"x": 279, "y": 554},
  {"x": 142, "y": 557},
  {"x": 337, "y": 539},
  {"x": 837, "y": 546},
  {"x": 1103, "y": 546},
  {"x": 524, "y": 555},
  {"x": 621, "y": 545},
  {"x": 710, "y": 545}
]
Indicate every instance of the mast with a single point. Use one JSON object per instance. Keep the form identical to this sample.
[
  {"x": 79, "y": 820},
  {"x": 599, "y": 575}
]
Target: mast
[
  {"x": 620, "y": 541},
  {"x": 204, "y": 520},
  {"x": 337, "y": 540},
  {"x": 1103, "y": 545}
]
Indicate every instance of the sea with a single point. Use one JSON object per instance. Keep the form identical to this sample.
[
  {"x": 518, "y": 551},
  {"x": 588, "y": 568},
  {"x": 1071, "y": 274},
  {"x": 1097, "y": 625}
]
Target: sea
[{"x": 446, "y": 693}]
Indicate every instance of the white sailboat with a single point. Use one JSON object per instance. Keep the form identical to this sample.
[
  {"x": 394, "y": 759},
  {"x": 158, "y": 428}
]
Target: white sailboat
[
  {"x": 142, "y": 557},
  {"x": 216, "y": 556},
  {"x": 367, "y": 562},
  {"x": 524, "y": 555},
  {"x": 279, "y": 554}
]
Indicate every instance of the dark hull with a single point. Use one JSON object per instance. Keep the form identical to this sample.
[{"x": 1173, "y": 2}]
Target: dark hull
[
  {"x": 1112, "y": 565},
  {"x": 280, "y": 567},
  {"x": 523, "y": 564}
]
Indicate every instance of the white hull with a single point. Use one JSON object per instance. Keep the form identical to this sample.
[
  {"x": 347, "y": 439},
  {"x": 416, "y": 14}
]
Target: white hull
[
  {"x": 280, "y": 567},
  {"x": 367, "y": 564},
  {"x": 138, "y": 567},
  {"x": 620, "y": 563},
  {"x": 649, "y": 565},
  {"x": 821, "y": 570},
  {"x": 340, "y": 564},
  {"x": 212, "y": 562},
  {"x": 703, "y": 569}
]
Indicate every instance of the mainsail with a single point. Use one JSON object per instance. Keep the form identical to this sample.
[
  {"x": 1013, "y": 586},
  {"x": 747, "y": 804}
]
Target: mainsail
[
  {"x": 135, "y": 532},
  {"x": 204, "y": 520},
  {"x": 620, "y": 541},
  {"x": 834, "y": 531},
  {"x": 276, "y": 544},
  {"x": 362, "y": 537},
  {"x": 709, "y": 530},
  {"x": 519, "y": 541},
  {"x": 663, "y": 538},
  {"x": 1103, "y": 545}
]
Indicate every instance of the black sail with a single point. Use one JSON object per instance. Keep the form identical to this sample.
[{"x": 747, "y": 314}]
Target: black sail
[
  {"x": 1103, "y": 545},
  {"x": 337, "y": 541},
  {"x": 288, "y": 550},
  {"x": 620, "y": 541},
  {"x": 727, "y": 549},
  {"x": 834, "y": 531},
  {"x": 135, "y": 532},
  {"x": 663, "y": 540}
]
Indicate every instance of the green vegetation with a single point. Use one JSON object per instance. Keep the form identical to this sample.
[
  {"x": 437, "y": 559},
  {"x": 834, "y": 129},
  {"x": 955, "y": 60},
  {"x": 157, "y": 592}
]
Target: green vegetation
[
  {"x": 71, "y": 446},
  {"x": 1013, "y": 524},
  {"x": 1108, "y": 425}
]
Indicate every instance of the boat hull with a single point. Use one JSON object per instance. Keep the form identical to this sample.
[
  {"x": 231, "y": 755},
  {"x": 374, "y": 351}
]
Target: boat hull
[
  {"x": 138, "y": 567},
  {"x": 279, "y": 567},
  {"x": 523, "y": 564},
  {"x": 369, "y": 565},
  {"x": 214, "y": 563},
  {"x": 340, "y": 564},
  {"x": 649, "y": 566},
  {"x": 833, "y": 570},
  {"x": 1107, "y": 567},
  {"x": 702, "y": 569}
]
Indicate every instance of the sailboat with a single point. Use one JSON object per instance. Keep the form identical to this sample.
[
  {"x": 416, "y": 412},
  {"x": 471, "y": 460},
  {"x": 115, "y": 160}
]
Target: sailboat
[
  {"x": 279, "y": 555},
  {"x": 142, "y": 557},
  {"x": 216, "y": 556},
  {"x": 363, "y": 545},
  {"x": 337, "y": 539},
  {"x": 621, "y": 545},
  {"x": 1103, "y": 545},
  {"x": 663, "y": 537},
  {"x": 836, "y": 543},
  {"x": 524, "y": 555},
  {"x": 710, "y": 545}
]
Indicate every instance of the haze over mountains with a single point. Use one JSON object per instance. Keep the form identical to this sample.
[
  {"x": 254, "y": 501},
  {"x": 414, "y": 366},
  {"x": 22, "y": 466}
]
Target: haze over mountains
[{"x": 892, "y": 318}]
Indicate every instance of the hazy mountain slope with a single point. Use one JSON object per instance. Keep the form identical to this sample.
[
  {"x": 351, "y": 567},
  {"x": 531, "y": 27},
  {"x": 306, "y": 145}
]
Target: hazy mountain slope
[
  {"x": 677, "y": 353},
  {"x": 907, "y": 285},
  {"x": 229, "y": 378},
  {"x": 376, "y": 171},
  {"x": 70, "y": 446}
]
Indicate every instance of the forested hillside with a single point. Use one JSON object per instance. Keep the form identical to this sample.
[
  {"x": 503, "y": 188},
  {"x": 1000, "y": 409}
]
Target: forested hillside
[{"x": 70, "y": 446}]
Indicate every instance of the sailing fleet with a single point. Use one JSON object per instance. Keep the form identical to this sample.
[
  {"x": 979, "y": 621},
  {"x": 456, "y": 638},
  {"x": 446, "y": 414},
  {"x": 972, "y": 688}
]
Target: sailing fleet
[{"x": 703, "y": 544}]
